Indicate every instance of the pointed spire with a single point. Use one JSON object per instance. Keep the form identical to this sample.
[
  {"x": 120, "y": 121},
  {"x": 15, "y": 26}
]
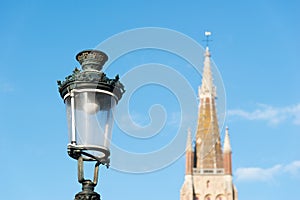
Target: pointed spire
[
  {"x": 227, "y": 147},
  {"x": 189, "y": 154},
  {"x": 207, "y": 53},
  {"x": 189, "y": 141},
  {"x": 227, "y": 154},
  {"x": 207, "y": 88},
  {"x": 208, "y": 148}
]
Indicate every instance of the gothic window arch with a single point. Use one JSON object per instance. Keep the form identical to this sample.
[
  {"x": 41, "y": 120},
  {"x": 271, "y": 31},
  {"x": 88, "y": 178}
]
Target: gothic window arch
[
  {"x": 220, "y": 197},
  {"x": 208, "y": 197}
]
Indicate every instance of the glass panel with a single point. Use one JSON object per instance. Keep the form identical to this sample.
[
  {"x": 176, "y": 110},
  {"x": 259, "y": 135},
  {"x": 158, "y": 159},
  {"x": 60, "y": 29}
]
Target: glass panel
[
  {"x": 69, "y": 118},
  {"x": 93, "y": 119}
]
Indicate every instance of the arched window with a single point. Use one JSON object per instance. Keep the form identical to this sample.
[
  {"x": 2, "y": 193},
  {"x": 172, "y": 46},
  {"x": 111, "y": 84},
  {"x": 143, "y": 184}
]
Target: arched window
[
  {"x": 220, "y": 197},
  {"x": 208, "y": 197}
]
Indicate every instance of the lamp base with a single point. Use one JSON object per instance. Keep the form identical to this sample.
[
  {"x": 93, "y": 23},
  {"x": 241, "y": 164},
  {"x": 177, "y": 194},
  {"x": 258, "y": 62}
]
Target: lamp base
[
  {"x": 86, "y": 151},
  {"x": 87, "y": 192}
]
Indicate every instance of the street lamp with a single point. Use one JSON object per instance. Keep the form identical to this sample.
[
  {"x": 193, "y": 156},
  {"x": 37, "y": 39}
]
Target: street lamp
[{"x": 90, "y": 99}]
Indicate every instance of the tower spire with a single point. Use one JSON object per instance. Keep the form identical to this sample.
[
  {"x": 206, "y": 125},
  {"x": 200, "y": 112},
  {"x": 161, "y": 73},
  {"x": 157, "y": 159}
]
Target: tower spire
[
  {"x": 227, "y": 154},
  {"x": 227, "y": 146},
  {"x": 189, "y": 141},
  {"x": 208, "y": 147},
  {"x": 207, "y": 88},
  {"x": 208, "y": 172},
  {"x": 189, "y": 155}
]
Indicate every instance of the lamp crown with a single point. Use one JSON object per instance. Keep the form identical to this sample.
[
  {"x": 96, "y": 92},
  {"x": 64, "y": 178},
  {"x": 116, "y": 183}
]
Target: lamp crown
[
  {"x": 91, "y": 59},
  {"x": 91, "y": 76}
]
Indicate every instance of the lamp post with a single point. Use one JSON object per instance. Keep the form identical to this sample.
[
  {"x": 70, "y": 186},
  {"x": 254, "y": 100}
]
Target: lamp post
[{"x": 90, "y": 98}]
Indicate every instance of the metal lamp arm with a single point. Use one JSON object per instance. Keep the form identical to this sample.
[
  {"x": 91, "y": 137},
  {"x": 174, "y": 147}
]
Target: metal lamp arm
[{"x": 81, "y": 171}]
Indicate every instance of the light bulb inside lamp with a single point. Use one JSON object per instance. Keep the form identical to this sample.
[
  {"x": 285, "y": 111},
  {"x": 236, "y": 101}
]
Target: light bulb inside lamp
[{"x": 91, "y": 108}]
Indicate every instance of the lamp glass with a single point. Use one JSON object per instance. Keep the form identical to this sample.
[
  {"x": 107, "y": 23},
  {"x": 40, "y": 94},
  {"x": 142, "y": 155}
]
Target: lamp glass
[{"x": 90, "y": 119}]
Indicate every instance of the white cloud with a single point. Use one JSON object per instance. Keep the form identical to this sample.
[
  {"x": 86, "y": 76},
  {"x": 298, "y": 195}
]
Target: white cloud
[
  {"x": 257, "y": 174},
  {"x": 293, "y": 168},
  {"x": 273, "y": 115},
  {"x": 267, "y": 174}
]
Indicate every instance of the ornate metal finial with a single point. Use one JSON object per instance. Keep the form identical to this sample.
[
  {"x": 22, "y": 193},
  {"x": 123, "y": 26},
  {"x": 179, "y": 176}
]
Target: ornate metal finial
[
  {"x": 207, "y": 40},
  {"x": 91, "y": 62},
  {"x": 91, "y": 59}
]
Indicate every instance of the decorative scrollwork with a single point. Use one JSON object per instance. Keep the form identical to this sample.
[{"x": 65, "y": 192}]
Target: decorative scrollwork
[
  {"x": 91, "y": 75},
  {"x": 95, "y": 77}
]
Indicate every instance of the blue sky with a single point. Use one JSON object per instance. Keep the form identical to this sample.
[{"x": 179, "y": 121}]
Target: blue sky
[{"x": 255, "y": 47}]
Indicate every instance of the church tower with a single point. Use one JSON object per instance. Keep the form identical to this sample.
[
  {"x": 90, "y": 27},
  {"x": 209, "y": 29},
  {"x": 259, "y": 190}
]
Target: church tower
[{"x": 208, "y": 173}]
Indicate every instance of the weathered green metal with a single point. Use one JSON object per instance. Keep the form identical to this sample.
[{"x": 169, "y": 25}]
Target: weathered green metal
[
  {"x": 88, "y": 186},
  {"x": 87, "y": 192},
  {"x": 79, "y": 151},
  {"x": 91, "y": 75},
  {"x": 80, "y": 171}
]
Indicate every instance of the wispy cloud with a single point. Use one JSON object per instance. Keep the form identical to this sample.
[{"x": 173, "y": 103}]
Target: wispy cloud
[
  {"x": 267, "y": 174},
  {"x": 273, "y": 115},
  {"x": 293, "y": 168},
  {"x": 257, "y": 174}
]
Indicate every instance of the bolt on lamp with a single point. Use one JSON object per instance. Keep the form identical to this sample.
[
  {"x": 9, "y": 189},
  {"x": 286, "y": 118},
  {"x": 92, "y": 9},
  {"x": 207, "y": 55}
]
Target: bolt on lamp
[{"x": 90, "y": 98}]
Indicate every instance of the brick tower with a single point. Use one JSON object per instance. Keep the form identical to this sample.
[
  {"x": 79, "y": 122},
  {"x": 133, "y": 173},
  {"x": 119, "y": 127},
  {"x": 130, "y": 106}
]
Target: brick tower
[{"x": 208, "y": 173}]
